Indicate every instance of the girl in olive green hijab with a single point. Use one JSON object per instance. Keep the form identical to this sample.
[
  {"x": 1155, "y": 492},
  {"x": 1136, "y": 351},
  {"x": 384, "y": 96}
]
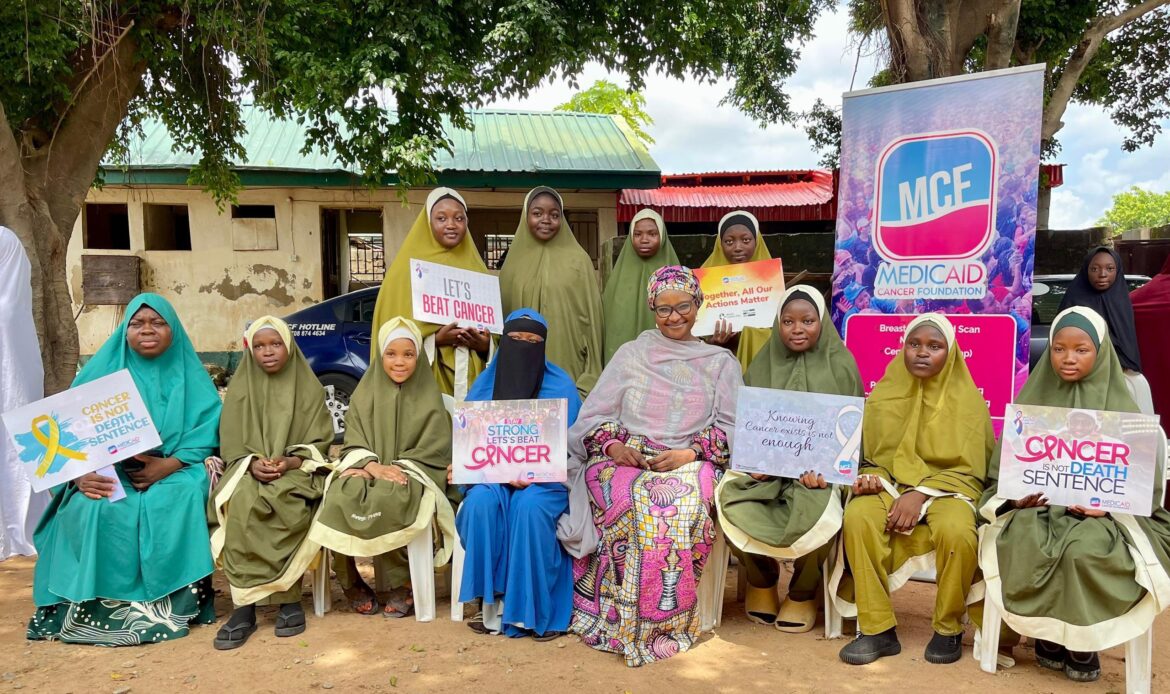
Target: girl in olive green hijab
[
  {"x": 739, "y": 241},
  {"x": 274, "y": 433},
  {"x": 548, "y": 271},
  {"x": 768, "y": 518},
  {"x": 645, "y": 249},
  {"x": 1076, "y": 579},
  {"x": 392, "y": 478}
]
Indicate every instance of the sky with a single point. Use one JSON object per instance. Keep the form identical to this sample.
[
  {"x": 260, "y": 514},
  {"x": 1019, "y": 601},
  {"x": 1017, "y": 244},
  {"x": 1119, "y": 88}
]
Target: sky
[{"x": 687, "y": 113}]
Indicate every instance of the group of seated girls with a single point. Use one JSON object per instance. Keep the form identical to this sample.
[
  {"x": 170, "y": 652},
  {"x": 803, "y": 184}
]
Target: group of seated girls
[{"x": 617, "y": 553}]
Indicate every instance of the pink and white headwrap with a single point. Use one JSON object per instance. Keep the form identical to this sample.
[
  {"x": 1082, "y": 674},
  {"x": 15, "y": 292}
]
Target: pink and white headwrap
[{"x": 676, "y": 278}]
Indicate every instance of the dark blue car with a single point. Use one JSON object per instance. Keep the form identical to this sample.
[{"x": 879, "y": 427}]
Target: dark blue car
[{"x": 335, "y": 337}]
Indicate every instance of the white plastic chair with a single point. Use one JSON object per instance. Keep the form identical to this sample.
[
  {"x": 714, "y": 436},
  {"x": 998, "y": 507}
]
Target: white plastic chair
[
  {"x": 711, "y": 585},
  {"x": 456, "y": 580},
  {"x": 421, "y": 556},
  {"x": 1138, "y": 652}
]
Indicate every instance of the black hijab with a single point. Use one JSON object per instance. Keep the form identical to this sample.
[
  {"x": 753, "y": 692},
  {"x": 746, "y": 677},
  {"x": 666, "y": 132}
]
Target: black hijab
[
  {"x": 1113, "y": 305},
  {"x": 520, "y": 364}
]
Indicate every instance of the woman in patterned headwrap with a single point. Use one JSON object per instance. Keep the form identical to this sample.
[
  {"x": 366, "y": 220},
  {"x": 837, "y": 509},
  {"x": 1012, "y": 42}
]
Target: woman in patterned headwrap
[{"x": 645, "y": 455}]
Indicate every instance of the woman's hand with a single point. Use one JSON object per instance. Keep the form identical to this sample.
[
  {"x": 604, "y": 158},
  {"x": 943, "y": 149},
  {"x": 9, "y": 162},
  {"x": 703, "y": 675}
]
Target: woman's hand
[
  {"x": 388, "y": 473},
  {"x": 813, "y": 480},
  {"x": 759, "y": 476},
  {"x": 723, "y": 333},
  {"x": 907, "y": 509},
  {"x": 1078, "y": 510},
  {"x": 95, "y": 486},
  {"x": 356, "y": 472},
  {"x": 519, "y": 484},
  {"x": 154, "y": 470},
  {"x": 624, "y": 455},
  {"x": 266, "y": 471},
  {"x": 475, "y": 340},
  {"x": 1031, "y": 501},
  {"x": 448, "y": 335},
  {"x": 672, "y": 460},
  {"x": 867, "y": 484},
  {"x": 450, "y": 474}
]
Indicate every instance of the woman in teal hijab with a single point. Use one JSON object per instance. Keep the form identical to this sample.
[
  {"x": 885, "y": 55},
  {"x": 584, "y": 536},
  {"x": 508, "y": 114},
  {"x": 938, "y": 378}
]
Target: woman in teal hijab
[{"x": 137, "y": 570}]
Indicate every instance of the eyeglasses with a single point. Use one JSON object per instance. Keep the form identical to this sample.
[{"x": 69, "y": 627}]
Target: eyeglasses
[{"x": 684, "y": 309}]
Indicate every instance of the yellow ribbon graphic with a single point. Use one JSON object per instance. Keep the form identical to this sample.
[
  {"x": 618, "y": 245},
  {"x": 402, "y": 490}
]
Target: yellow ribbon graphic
[{"x": 52, "y": 444}]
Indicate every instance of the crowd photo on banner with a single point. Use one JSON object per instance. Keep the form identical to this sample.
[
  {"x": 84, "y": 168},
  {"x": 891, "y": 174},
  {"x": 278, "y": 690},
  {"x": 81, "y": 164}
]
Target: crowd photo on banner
[{"x": 584, "y": 461}]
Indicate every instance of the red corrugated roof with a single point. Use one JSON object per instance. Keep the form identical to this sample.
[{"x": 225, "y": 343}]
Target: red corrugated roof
[
  {"x": 772, "y": 196},
  {"x": 1055, "y": 174}
]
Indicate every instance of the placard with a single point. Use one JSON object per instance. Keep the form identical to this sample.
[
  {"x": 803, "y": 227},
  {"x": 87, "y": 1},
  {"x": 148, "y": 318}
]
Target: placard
[
  {"x": 443, "y": 294},
  {"x": 747, "y": 295},
  {"x": 1101, "y": 460},
  {"x": 81, "y": 430},
  {"x": 497, "y": 441},
  {"x": 784, "y": 432}
]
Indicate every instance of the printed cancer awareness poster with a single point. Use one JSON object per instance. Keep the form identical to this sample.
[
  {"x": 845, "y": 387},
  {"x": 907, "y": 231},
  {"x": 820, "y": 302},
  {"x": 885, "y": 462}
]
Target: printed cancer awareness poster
[
  {"x": 442, "y": 294},
  {"x": 747, "y": 295},
  {"x": 783, "y": 433},
  {"x": 937, "y": 212},
  {"x": 81, "y": 430},
  {"x": 509, "y": 441},
  {"x": 1101, "y": 460}
]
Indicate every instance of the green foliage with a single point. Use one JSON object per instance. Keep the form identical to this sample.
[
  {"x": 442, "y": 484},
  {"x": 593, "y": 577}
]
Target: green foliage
[
  {"x": 373, "y": 80},
  {"x": 610, "y": 99},
  {"x": 822, "y": 124},
  {"x": 1137, "y": 208}
]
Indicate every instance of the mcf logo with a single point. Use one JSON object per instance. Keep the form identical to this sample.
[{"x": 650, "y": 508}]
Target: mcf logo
[{"x": 935, "y": 196}]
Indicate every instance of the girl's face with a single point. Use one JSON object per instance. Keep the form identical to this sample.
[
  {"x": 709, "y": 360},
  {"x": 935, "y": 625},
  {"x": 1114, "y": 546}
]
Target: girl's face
[
  {"x": 148, "y": 333},
  {"x": 646, "y": 238},
  {"x": 739, "y": 243},
  {"x": 1072, "y": 354},
  {"x": 269, "y": 350},
  {"x": 544, "y": 217},
  {"x": 1102, "y": 271},
  {"x": 925, "y": 351},
  {"x": 448, "y": 222},
  {"x": 800, "y": 325},
  {"x": 675, "y": 313},
  {"x": 400, "y": 359}
]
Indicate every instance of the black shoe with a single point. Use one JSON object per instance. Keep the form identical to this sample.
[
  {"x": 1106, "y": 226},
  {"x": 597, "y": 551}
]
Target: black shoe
[
  {"x": 866, "y": 649},
  {"x": 1050, "y": 655},
  {"x": 240, "y": 626},
  {"x": 944, "y": 650},
  {"x": 291, "y": 620},
  {"x": 1082, "y": 667}
]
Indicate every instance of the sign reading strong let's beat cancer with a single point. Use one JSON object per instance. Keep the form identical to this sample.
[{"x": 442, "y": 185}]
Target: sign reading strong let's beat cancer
[
  {"x": 509, "y": 441},
  {"x": 937, "y": 212}
]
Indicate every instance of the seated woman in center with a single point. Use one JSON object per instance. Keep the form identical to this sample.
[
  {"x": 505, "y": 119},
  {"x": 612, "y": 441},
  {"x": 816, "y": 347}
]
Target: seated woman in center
[
  {"x": 645, "y": 455},
  {"x": 768, "y": 518},
  {"x": 509, "y": 530},
  {"x": 391, "y": 480},
  {"x": 926, "y": 439},
  {"x": 1076, "y": 578},
  {"x": 275, "y": 435}
]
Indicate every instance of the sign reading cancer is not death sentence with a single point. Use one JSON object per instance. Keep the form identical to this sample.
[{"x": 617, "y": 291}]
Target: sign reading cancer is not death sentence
[
  {"x": 81, "y": 430},
  {"x": 442, "y": 294},
  {"x": 783, "y": 433},
  {"x": 747, "y": 295},
  {"x": 510, "y": 441},
  {"x": 1101, "y": 460}
]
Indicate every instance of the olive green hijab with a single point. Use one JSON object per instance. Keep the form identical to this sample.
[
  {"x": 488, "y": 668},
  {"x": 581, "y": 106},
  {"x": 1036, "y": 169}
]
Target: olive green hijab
[
  {"x": 397, "y": 422},
  {"x": 556, "y": 278},
  {"x": 624, "y": 300},
  {"x": 826, "y": 367},
  {"x": 266, "y": 414}
]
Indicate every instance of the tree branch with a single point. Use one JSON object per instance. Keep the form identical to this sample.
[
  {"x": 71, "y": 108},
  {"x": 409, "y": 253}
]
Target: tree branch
[
  {"x": 1001, "y": 35},
  {"x": 906, "y": 40},
  {"x": 12, "y": 188},
  {"x": 1112, "y": 23}
]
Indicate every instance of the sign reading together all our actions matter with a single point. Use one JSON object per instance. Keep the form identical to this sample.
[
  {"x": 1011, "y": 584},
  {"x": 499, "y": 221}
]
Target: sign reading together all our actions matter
[
  {"x": 1100, "y": 460},
  {"x": 81, "y": 430},
  {"x": 509, "y": 441},
  {"x": 747, "y": 295},
  {"x": 783, "y": 433},
  {"x": 442, "y": 294}
]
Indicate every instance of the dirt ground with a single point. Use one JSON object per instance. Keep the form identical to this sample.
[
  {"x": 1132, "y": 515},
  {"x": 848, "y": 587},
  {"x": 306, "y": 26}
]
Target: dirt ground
[{"x": 347, "y": 652}]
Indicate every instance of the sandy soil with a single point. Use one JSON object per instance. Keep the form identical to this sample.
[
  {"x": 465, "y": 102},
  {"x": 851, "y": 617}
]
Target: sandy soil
[{"x": 350, "y": 653}]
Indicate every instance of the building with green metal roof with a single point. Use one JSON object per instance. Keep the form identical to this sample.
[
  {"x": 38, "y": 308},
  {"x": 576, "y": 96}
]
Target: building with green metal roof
[{"x": 305, "y": 228}]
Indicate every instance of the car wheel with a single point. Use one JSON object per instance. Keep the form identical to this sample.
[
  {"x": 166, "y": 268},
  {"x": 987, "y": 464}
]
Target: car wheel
[{"x": 338, "y": 390}]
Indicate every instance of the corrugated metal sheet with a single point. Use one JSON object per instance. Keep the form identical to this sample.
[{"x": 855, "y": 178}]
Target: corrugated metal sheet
[
  {"x": 503, "y": 141},
  {"x": 809, "y": 196}
]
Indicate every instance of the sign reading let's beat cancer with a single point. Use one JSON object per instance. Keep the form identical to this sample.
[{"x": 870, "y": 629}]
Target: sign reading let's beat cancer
[
  {"x": 81, "y": 430},
  {"x": 509, "y": 441},
  {"x": 442, "y": 294}
]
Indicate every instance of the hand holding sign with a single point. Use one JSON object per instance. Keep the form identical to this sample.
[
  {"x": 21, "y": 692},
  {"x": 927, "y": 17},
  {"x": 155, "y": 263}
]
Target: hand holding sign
[{"x": 451, "y": 296}]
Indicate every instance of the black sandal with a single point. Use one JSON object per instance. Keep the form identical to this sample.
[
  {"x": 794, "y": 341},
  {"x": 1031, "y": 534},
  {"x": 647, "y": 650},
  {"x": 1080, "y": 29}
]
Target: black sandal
[
  {"x": 1082, "y": 667},
  {"x": 1050, "y": 655},
  {"x": 399, "y": 604},
  {"x": 548, "y": 636},
  {"x": 229, "y": 636},
  {"x": 366, "y": 602},
  {"x": 291, "y": 620}
]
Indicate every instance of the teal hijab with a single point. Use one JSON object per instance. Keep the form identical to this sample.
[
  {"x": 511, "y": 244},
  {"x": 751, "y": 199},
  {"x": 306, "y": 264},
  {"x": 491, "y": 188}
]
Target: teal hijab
[{"x": 179, "y": 395}]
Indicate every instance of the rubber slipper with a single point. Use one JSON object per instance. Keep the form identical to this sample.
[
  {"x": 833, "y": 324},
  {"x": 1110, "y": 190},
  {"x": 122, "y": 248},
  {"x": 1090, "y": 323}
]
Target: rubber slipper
[
  {"x": 548, "y": 636},
  {"x": 290, "y": 623},
  {"x": 761, "y": 604},
  {"x": 797, "y": 616},
  {"x": 399, "y": 604},
  {"x": 229, "y": 637},
  {"x": 366, "y": 603}
]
